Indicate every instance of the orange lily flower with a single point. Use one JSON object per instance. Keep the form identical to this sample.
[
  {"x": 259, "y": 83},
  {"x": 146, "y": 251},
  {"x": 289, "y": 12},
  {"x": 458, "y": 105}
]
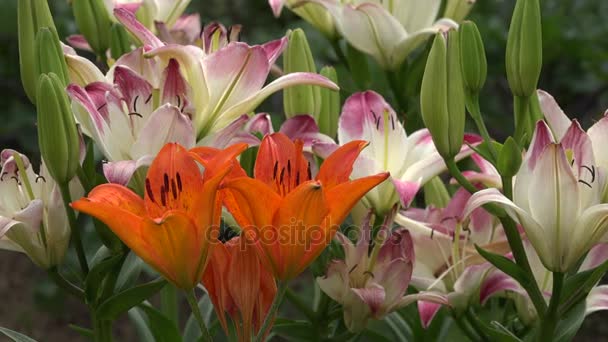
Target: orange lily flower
[
  {"x": 239, "y": 286},
  {"x": 174, "y": 227},
  {"x": 290, "y": 216}
]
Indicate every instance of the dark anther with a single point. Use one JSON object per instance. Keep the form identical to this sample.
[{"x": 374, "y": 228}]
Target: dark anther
[
  {"x": 101, "y": 107},
  {"x": 309, "y": 172},
  {"x": 432, "y": 233},
  {"x": 148, "y": 99},
  {"x": 40, "y": 177},
  {"x": 135, "y": 103},
  {"x": 149, "y": 191},
  {"x": 2, "y": 176},
  {"x": 297, "y": 178},
  {"x": 229, "y": 33},
  {"x": 173, "y": 188},
  {"x": 378, "y": 123},
  {"x": 572, "y": 162},
  {"x": 393, "y": 122},
  {"x": 166, "y": 181},
  {"x": 163, "y": 193},
  {"x": 276, "y": 168},
  {"x": 289, "y": 168},
  {"x": 179, "y": 182},
  {"x": 591, "y": 170},
  {"x": 136, "y": 114},
  {"x": 587, "y": 184},
  {"x": 352, "y": 269},
  {"x": 374, "y": 114},
  {"x": 179, "y": 101},
  {"x": 16, "y": 180},
  {"x": 183, "y": 107},
  {"x": 282, "y": 174},
  {"x": 369, "y": 274}
]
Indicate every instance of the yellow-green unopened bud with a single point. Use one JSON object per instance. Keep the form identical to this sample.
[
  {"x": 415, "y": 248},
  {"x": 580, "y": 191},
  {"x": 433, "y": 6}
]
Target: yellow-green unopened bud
[
  {"x": 49, "y": 55},
  {"x": 120, "y": 42},
  {"x": 509, "y": 159},
  {"x": 436, "y": 194},
  {"x": 457, "y": 10},
  {"x": 32, "y": 15},
  {"x": 472, "y": 58},
  {"x": 94, "y": 23},
  {"x": 330, "y": 105},
  {"x": 57, "y": 133},
  {"x": 304, "y": 99},
  {"x": 524, "y": 48},
  {"x": 442, "y": 98}
]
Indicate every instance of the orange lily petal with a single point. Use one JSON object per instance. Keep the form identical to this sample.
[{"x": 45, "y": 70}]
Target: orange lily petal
[
  {"x": 215, "y": 282},
  {"x": 252, "y": 203},
  {"x": 338, "y": 166},
  {"x": 173, "y": 182},
  {"x": 212, "y": 158},
  {"x": 297, "y": 222}
]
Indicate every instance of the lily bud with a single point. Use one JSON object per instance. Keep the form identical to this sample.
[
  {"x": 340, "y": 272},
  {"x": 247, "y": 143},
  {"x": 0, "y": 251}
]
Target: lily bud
[
  {"x": 436, "y": 194},
  {"x": 94, "y": 22},
  {"x": 32, "y": 15},
  {"x": 457, "y": 10},
  {"x": 330, "y": 105},
  {"x": 442, "y": 98},
  {"x": 57, "y": 133},
  {"x": 120, "y": 43},
  {"x": 524, "y": 48},
  {"x": 49, "y": 55},
  {"x": 473, "y": 59},
  {"x": 303, "y": 99},
  {"x": 509, "y": 159}
]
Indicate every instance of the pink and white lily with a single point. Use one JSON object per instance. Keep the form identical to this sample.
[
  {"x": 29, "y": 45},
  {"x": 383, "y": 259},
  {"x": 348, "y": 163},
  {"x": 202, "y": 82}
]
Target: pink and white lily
[
  {"x": 387, "y": 30},
  {"x": 556, "y": 197},
  {"x": 411, "y": 160},
  {"x": 447, "y": 261},
  {"x": 32, "y": 216},
  {"x": 229, "y": 81},
  {"x": 372, "y": 285},
  {"x": 151, "y": 11},
  {"x": 313, "y": 13}
]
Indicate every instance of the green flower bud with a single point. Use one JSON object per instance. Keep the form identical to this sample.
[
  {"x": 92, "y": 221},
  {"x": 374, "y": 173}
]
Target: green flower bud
[
  {"x": 436, "y": 194},
  {"x": 457, "y": 10},
  {"x": 524, "y": 48},
  {"x": 120, "y": 42},
  {"x": 94, "y": 23},
  {"x": 304, "y": 99},
  {"x": 472, "y": 58},
  {"x": 442, "y": 98},
  {"x": 330, "y": 105},
  {"x": 49, "y": 55},
  {"x": 32, "y": 15},
  {"x": 509, "y": 159},
  {"x": 57, "y": 133}
]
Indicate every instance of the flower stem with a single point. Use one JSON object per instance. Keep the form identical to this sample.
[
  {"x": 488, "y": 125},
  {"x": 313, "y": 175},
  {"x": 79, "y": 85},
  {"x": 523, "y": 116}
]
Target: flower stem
[
  {"x": 300, "y": 305},
  {"x": 102, "y": 329},
  {"x": 191, "y": 297},
  {"x": 335, "y": 44},
  {"x": 282, "y": 288},
  {"x": 472, "y": 104},
  {"x": 82, "y": 259},
  {"x": 65, "y": 284},
  {"x": 168, "y": 302},
  {"x": 549, "y": 321}
]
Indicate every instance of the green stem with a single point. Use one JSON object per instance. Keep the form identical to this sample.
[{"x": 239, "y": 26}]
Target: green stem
[
  {"x": 102, "y": 329},
  {"x": 466, "y": 329},
  {"x": 472, "y": 102},
  {"x": 474, "y": 321},
  {"x": 82, "y": 259},
  {"x": 282, "y": 288},
  {"x": 65, "y": 284},
  {"x": 549, "y": 321},
  {"x": 523, "y": 121},
  {"x": 168, "y": 302},
  {"x": 300, "y": 305},
  {"x": 191, "y": 297},
  {"x": 335, "y": 44}
]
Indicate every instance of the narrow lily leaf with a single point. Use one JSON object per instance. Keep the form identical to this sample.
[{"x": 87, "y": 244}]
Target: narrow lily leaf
[
  {"x": 504, "y": 264},
  {"x": 163, "y": 329},
  {"x": 141, "y": 325},
  {"x": 579, "y": 286},
  {"x": 15, "y": 336},
  {"x": 84, "y": 332},
  {"x": 495, "y": 331},
  {"x": 571, "y": 323},
  {"x": 483, "y": 150},
  {"x": 192, "y": 332},
  {"x": 399, "y": 326},
  {"x": 95, "y": 277},
  {"x": 295, "y": 330},
  {"x": 131, "y": 269},
  {"x": 123, "y": 301}
]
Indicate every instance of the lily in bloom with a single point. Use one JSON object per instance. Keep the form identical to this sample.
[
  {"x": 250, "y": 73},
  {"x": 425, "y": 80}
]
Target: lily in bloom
[
  {"x": 387, "y": 30},
  {"x": 290, "y": 216},
  {"x": 151, "y": 11},
  {"x": 313, "y": 13},
  {"x": 447, "y": 261},
  {"x": 411, "y": 160},
  {"x": 372, "y": 285},
  {"x": 32, "y": 214},
  {"x": 240, "y": 287},
  {"x": 556, "y": 197},
  {"x": 229, "y": 81},
  {"x": 175, "y": 226}
]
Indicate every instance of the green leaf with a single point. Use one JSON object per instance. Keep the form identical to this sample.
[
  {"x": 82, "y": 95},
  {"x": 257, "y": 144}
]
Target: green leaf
[
  {"x": 15, "y": 336},
  {"x": 580, "y": 284},
  {"x": 163, "y": 329},
  {"x": 129, "y": 273},
  {"x": 192, "y": 332},
  {"x": 571, "y": 323},
  {"x": 504, "y": 264},
  {"x": 483, "y": 150},
  {"x": 141, "y": 325},
  {"x": 399, "y": 326},
  {"x": 84, "y": 332},
  {"x": 295, "y": 330},
  {"x": 496, "y": 331},
  {"x": 123, "y": 301},
  {"x": 95, "y": 277}
]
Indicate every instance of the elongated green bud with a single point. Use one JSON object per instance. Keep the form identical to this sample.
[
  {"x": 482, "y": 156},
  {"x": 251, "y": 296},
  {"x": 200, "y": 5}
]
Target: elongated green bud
[
  {"x": 120, "y": 42},
  {"x": 304, "y": 99},
  {"x": 524, "y": 48},
  {"x": 457, "y": 10},
  {"x": 49, "y": 55},
  {"x": 32, "y": 15},
  {"x": 509, "y": 159},
  {"x": 442, "y": 99},
  {"x": 436, "y": 194},
  {"x": 330, "y": 105},
  {"x": 94, "y": 23},
  {"x": 57, "y": 133},
  {"x": 472, "y": 58}
]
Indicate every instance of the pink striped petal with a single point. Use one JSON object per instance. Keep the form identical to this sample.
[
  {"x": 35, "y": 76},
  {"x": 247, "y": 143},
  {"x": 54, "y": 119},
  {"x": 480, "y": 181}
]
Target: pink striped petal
[
  {"x": 274, "y": 49},
  {"x": 120, "y": 172},
  {"x": 373, "y": 296},
  {"x": 596, "y": 256},
  {"x": 555, "y": 116},
  {"x": 541, "y": 138},
  {"x": 406, "y": 190},
  {"x": 137, "y": 92},
  {"x": 79, "y": 42},
  {"x": 145, "y": 36},
  {"x": 597, "y": 300},
  {"x": 497, "y": 282},
  {"x": 277, "y": 7},
  {"x": 427, "y": 311},
  {"x": 260, "y": 123}
]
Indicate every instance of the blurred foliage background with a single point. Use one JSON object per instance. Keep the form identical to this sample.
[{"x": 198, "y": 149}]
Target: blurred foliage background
[{"x": 575, "y": 71}]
